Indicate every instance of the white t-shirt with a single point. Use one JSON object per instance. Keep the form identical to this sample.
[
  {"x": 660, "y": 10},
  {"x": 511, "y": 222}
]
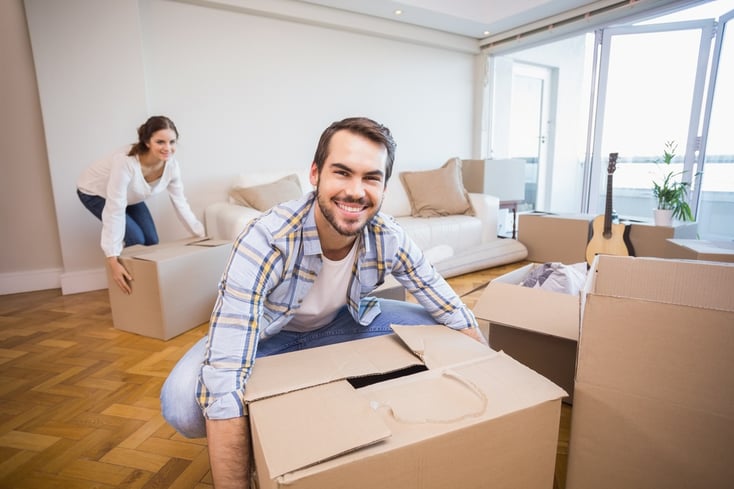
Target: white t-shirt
[{"x": 326, "y": 297}]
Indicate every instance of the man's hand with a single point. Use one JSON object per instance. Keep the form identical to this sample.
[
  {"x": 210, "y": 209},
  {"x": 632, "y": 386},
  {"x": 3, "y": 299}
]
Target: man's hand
[
  {"x": 229, "y": 452},
  {"x": 121, "y": 276},
  {"x": 474, "y": 333}
]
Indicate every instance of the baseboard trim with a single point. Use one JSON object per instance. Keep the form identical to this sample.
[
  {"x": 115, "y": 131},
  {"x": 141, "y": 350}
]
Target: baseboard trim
[
  {"x": 30, "y": 281},
  {"x": 53, "y": 278},
  {"x": 84, "y": 281}
]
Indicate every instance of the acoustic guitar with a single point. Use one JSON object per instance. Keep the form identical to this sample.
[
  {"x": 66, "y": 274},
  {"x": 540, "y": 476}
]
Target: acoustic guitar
[{"x": 608, "y": 238}]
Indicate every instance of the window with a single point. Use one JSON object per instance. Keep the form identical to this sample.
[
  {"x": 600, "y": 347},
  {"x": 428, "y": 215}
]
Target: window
[{"x": 626, "y": 89}]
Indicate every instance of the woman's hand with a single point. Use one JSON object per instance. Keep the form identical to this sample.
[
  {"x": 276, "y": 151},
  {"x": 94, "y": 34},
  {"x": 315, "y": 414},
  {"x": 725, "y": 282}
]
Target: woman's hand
[{"x": 121, "y": 276}]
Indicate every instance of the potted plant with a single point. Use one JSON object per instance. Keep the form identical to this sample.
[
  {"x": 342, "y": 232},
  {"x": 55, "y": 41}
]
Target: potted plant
[{"x": 671, "y": 192}]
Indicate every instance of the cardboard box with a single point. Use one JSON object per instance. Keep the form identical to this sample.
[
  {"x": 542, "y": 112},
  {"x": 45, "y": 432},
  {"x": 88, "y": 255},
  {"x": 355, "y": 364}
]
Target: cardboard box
[
  {"x": 467, "y": 417},
  {"x": 654, "y": 399},
  {"x": 535, "y": 326},
  {"x": 174, "y": 286},
  {"x": 650, "y": 240},
  {"x": 555, "y": 237},
  {"x": 698, "y": 249}
]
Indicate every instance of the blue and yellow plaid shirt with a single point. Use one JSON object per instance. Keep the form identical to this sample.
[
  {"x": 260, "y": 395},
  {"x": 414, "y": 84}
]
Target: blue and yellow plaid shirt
[{"x": 274, "y": 263}]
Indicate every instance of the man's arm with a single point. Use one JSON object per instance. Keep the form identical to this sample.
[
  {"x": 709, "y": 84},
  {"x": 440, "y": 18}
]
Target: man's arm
[
  {"x": 432, "y": 292},
  {"x": 229, "y": 452}
]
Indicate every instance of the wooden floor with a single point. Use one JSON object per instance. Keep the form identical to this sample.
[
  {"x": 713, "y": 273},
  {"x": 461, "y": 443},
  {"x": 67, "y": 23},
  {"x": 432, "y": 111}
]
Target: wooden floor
[{"x": 79, "y": 399}]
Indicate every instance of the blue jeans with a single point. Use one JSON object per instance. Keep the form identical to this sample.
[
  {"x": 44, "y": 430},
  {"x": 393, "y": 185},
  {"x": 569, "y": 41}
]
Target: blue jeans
[
  {"x": 179, "y": 405},
  {"x": 139, "y": 225}
]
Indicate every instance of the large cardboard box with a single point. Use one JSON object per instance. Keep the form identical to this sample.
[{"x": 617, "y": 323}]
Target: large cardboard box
[
  {"x": 555, "y": 237},
  {"x": 466, "y": 417},
  {"x": 654, "y": 399},
  {"x": 650, "y": 240},
  {"x": 699, "y": 249},
  {"x": 173, "y": 289},
  {"x": 537, "y": 327}
]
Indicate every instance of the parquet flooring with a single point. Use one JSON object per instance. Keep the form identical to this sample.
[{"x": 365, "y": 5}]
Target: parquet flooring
[{"x": 79, "y": 404}]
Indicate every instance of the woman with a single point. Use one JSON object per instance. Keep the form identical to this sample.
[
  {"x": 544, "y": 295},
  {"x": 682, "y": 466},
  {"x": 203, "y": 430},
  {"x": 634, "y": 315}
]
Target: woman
[{"x": 114, "y": 189}]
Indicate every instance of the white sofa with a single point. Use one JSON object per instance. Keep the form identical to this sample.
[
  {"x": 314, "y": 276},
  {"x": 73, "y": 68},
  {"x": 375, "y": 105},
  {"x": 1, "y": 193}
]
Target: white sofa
[{"x": 455, "y": 244}]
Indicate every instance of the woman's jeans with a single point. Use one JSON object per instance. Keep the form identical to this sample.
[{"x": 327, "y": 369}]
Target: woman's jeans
[
  {"x": 139, "y": 225},
  {"x": 178, "y": 395}
]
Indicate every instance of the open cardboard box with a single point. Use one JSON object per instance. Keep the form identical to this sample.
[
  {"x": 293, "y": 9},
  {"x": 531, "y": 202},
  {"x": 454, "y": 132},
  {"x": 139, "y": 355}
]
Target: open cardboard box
[
  {"x": 444, "y": 411},
  {"x": 537, "y": 327},
  {"x": 654, "y": 398},
  {"x": 173, "y": 289}
]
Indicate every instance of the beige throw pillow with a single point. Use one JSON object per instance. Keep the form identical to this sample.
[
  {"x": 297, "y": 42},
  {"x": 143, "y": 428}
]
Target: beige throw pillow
[
  {"x": 263, "y": 197},
  {"x": 438, "y": 192}
]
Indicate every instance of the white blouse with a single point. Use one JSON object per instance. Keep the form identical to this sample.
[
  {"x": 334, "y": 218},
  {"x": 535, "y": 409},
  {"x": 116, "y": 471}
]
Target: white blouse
[{"x": 119, "y": 179}]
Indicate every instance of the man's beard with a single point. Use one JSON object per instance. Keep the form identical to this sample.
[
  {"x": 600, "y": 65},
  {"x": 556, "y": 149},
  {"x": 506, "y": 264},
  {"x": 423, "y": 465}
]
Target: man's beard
[{"x": 331, "y": 219}]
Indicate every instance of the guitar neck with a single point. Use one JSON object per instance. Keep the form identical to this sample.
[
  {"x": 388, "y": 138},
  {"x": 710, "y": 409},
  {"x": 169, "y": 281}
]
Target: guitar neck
[{"x": 608, "y": 208}]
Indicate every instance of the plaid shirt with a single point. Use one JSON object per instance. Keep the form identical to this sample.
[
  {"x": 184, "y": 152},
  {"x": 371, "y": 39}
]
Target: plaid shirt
[{"x": 274, "y": 263}]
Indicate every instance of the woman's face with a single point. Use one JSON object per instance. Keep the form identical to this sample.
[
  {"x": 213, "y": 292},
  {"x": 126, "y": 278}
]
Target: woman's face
[{"x": 162, "y": 144}]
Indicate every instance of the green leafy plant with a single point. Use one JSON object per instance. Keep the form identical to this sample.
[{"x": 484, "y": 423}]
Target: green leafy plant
[{"x": 671, "y": 192}]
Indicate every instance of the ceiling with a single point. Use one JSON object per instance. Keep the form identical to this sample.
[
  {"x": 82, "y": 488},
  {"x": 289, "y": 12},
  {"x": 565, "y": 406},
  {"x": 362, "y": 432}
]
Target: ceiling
[{"x": 471, "y": 18}]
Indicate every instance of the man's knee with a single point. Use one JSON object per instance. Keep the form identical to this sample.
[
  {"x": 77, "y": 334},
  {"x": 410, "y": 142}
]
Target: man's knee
[{"x": 179, "y": 405}]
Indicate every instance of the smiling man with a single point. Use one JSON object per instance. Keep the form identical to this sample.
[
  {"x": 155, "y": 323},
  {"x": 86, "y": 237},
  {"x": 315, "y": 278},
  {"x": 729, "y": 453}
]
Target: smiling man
[{"x": 301, "y": 276}]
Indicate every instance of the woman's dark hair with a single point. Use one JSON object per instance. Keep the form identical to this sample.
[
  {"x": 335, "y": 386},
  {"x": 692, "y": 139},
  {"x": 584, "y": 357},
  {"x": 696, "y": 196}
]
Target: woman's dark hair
[
  {"x": 146, "y": 131},
  {"x": 363, "y": 126}
]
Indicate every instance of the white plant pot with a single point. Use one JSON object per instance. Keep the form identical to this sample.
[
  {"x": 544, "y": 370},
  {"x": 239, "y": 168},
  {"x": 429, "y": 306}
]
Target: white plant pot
[{"x": 663, "y": 217}]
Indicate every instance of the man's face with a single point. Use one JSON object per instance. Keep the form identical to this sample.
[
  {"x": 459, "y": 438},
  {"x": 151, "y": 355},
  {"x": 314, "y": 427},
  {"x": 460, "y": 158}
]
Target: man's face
[{"x": 351, "y": 185}]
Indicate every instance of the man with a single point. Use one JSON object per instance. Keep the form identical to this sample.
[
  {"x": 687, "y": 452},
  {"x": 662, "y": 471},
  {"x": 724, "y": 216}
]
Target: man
[{"x": 299, "y": 277}]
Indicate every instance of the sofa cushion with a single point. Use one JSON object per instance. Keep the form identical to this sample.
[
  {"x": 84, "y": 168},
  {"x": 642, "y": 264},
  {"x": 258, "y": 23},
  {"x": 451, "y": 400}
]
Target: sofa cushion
[
  {"x": 263, "y": 197},
  {"x": 395, "y": 202},
  {"x": 437, "y": 192}
]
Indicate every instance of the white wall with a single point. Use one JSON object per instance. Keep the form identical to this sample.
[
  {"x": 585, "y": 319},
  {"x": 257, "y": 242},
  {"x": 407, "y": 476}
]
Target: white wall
[
  {"x": 30, "y": 254},
  {"x": 247, "y": 89}
]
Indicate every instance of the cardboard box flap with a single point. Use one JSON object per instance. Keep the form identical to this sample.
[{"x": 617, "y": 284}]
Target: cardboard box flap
[
  {"x": 305, "y": 427},
  {"x": 161, "y": 254},
  {"x": 209, "y": 242},
  {"x": 506, "y": 374},
  {"x": 438, "y": 346},
  {"x": 170, "y": 249},
  {"x": 690, "y": 283},
  {"x": 481, "y": 388},
  {"x": 299, "y": 370},
  {"x": 562, "y": 320}
]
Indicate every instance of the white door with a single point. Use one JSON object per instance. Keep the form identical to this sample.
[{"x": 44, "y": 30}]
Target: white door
[{"x": 531, "y": 129}]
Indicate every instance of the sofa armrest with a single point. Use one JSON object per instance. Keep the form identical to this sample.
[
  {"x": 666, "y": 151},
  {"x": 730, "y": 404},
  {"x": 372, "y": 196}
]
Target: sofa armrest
[
  {"x": 224, "y": 220},
  {"x": 487, "y": 208}
]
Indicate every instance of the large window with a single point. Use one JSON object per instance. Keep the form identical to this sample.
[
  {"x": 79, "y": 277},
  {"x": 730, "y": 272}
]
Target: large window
[{"x": 629, "y": 89}]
